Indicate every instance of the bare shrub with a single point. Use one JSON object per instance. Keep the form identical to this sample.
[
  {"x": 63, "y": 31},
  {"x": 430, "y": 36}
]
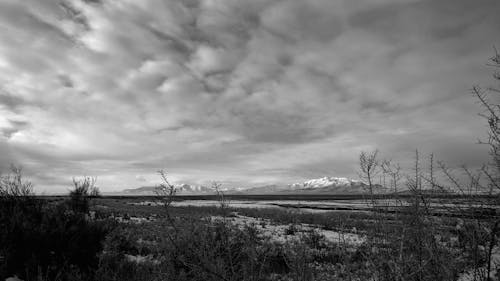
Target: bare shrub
[
  {"x": 12, "y": 184},
  {"x": 83, "y": 191},
  {"x": 369, "y": 166},
  {"x": 42, "y": 240},
  {"x": 402, "y": 244},
  {"x": 411, "y": 247}
]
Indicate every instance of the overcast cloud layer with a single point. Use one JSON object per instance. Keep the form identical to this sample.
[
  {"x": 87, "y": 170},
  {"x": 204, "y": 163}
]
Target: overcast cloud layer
[{"x": 244, "y": 92}]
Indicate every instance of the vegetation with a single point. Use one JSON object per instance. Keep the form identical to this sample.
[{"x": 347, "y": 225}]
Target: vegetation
[{"x": 41, "y": 240}]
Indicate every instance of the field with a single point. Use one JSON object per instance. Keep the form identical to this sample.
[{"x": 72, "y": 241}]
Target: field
[
  {"x": 85, "y": 236},
  {"x": 294, "y": 238}
]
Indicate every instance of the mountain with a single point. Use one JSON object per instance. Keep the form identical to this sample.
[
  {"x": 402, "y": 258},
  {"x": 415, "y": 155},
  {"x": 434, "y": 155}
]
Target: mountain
[
  {"x": 330, "y": 181},
  {"x": 182, "y": 189},
  {"x": 324, "y": 185},
  {"x": 143, "y": 190},
  {"x": 266, "y": 189},
  {"x": 188, "y": 188}
]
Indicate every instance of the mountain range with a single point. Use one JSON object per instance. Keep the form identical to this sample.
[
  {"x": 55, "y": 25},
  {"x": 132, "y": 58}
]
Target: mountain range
[{"x": 324, "y": 185}]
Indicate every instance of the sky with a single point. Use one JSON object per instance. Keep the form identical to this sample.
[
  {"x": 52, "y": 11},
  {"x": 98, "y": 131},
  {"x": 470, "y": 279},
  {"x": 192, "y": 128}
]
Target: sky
[{"x": 241, "y": 92}]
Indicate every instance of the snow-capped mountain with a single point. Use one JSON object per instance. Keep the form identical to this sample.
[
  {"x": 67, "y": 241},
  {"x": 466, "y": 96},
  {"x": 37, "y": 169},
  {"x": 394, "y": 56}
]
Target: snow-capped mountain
[
  {"x": 326, "y": 182},
  {"x": 180, "y": 189},
  {"x": 324, "y": 185},
  {"x": 328, "y": 185},
  {"x": 188, "y": 188}
]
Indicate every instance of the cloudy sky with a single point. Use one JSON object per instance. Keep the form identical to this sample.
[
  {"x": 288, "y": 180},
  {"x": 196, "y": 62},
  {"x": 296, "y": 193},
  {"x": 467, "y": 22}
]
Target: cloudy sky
[{"x": 243, "y": 92}]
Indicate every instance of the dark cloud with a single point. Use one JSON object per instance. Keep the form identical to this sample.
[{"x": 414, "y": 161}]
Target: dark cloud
[
  {"x": 66, "y": 81},
  {"x": 246, "y": 92},
  {"x": 302, "y": 21},
  {"x": 10, "y": 101}
]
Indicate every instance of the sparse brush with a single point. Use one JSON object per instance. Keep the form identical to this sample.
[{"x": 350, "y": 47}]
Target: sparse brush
[
  {"x": 13, "y": 186},
  {"x": 42, "y": 240},
  {"x": 83, "y": 191}
]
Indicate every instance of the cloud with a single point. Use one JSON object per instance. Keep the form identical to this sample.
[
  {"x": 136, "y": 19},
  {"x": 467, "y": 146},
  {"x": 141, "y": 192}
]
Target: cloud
[{"x": 244, "y": 92}]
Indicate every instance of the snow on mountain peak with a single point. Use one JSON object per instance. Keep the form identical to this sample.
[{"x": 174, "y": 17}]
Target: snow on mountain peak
[
  {"x": 191, "y": 188},
  {"x": 326, "y": 181}
]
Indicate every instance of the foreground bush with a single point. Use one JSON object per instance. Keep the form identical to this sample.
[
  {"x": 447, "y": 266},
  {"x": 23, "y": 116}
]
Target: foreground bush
[{"x": 42, "y": 240}]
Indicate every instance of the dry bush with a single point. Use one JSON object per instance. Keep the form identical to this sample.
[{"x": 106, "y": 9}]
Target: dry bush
[
  {"x": 411, "y": 250},
  {"x": 83, "y": 191},
  {"x": 40, "y": 240}
]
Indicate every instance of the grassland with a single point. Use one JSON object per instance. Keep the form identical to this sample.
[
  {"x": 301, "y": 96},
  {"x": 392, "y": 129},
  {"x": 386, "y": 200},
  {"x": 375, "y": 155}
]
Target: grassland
[
  {"x": 392, "y": 237},
  {"x": 339, "y": 245}
]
